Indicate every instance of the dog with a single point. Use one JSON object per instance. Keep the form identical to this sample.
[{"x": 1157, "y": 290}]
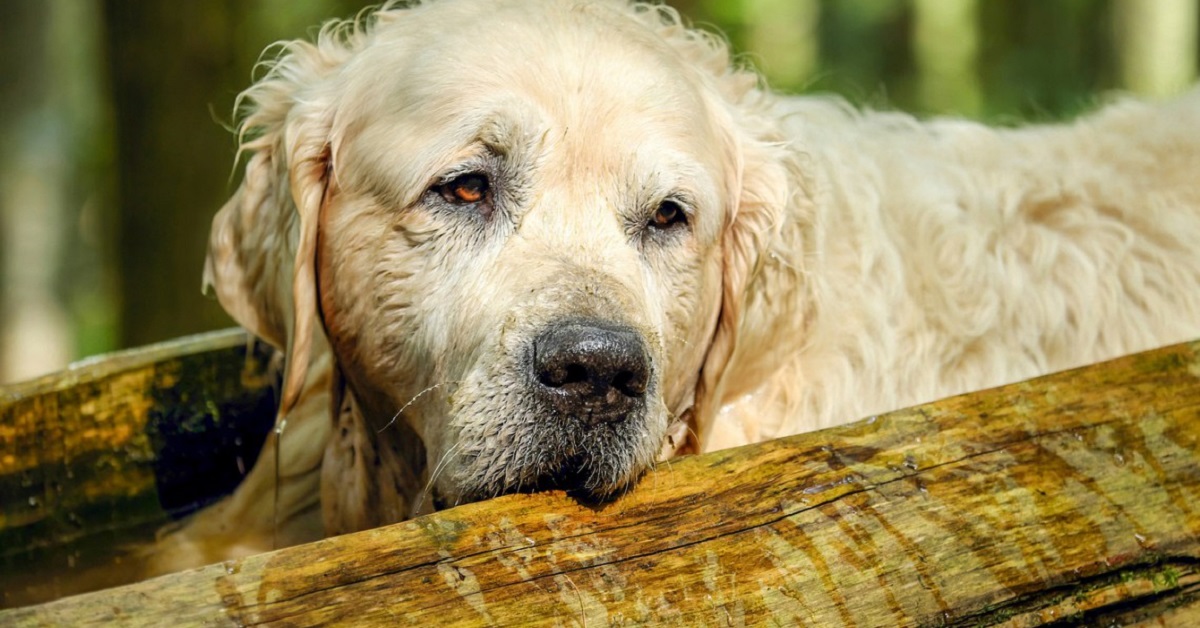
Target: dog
[{"x": 509, "y": 245}]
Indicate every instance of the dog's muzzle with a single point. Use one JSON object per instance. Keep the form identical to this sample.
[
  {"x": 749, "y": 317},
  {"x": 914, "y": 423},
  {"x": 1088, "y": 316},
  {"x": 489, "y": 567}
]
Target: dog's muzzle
[
  {"x": 591, "y": 371},
  {"x": 581, "y": 420}
]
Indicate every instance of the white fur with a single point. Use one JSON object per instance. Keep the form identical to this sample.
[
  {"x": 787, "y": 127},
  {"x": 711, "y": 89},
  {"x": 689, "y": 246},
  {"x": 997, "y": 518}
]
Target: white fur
[{"x": 944, "y": 257}]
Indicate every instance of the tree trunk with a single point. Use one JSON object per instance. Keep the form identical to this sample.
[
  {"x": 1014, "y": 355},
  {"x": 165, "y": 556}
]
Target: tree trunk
[
  {"x": 1157, "y": 44},
  {"x": 169, "y": 60},
  {"x": 946, "y": 50},
  {"x": 34, "y": 332},
  {"x": 783, "y": 36}
]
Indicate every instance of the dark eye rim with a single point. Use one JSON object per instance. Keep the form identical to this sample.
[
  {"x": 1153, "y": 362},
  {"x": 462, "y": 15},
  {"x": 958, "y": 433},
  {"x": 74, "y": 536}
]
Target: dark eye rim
[
  {"x": 675, "y": 216},
  {"x": 446, "y": 189}
]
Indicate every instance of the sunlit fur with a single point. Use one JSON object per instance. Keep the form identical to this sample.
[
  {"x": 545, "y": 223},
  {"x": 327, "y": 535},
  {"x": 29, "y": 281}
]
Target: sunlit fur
[
  {"x": 837, "y": 263},
  {"x": 943, "y": 256}
]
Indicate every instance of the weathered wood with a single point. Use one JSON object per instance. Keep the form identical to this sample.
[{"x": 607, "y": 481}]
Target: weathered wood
[
  {"x": 107, "y": 451},
  {"x": 1072, "y": 497}
]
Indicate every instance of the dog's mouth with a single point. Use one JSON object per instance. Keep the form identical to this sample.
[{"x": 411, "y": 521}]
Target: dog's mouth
[
  {"x": 594, "y": 465},
  {"x": 574, "y": 479}
]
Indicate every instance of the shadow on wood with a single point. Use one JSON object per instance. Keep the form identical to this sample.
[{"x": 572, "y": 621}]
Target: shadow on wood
[
  {"x": 1072, "y": 497},
  {"x": 95, "y": 459}
]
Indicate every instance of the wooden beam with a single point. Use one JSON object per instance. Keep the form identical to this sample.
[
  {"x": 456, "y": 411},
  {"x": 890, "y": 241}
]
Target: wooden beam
[
  {"x": 99, "y": 456},
  {"x": 1075, "y": 496}
]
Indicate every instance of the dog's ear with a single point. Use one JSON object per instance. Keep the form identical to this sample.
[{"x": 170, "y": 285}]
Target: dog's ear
[
  {"x": 261, "y": 249},
  {"x": 764, "y": 181}
]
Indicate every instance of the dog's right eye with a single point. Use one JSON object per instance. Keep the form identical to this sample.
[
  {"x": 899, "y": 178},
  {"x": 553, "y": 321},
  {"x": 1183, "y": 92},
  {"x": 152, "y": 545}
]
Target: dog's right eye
[
  {"x": 668, "y": 214},
  {"x": 466, "y": 189}
]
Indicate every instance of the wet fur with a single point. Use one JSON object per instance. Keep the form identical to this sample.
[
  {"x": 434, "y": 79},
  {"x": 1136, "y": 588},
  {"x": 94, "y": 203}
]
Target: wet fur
[{"x": 838, "y": 263}]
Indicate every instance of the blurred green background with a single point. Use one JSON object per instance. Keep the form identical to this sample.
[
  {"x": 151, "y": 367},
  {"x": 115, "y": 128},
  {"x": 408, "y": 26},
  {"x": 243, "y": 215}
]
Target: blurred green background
[{"x": 116, "y": 152}]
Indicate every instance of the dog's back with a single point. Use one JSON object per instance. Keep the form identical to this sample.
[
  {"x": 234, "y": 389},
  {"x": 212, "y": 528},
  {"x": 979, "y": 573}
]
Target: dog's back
[{"x": 928, "y": 259}]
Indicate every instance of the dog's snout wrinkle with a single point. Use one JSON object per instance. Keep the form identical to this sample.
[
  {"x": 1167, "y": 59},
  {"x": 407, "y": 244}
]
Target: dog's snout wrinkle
[{"x": 595, "y": 371}]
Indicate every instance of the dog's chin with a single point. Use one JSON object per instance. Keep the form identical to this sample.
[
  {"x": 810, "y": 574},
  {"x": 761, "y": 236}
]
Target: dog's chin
[
  {"x": 575, "y": 479},
  {"x": 594, "y": 464}
]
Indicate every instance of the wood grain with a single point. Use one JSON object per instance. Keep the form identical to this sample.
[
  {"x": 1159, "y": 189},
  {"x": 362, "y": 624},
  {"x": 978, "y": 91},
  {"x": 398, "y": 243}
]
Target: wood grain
[
  {"x": 107, "y": 451},
  {"x": 1073, "y": 497}
]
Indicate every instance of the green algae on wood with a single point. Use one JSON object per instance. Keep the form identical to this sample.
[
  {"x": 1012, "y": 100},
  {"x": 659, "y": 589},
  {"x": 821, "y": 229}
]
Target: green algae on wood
[{"x": 99, "y": 456}]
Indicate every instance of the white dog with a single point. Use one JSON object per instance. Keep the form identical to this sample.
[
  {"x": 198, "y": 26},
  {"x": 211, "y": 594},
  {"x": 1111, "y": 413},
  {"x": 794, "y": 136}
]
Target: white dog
[{"x": 518, "y": 244}]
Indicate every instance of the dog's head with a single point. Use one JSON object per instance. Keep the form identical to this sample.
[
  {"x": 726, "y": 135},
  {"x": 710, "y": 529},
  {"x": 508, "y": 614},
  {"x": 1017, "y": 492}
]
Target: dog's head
[{"x": 524, "y": 227}]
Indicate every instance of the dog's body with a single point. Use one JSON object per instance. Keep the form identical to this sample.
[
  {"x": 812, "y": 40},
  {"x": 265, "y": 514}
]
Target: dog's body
[
  {"x": 943, "y": 257},
  {"x": 544, "y": 247}
]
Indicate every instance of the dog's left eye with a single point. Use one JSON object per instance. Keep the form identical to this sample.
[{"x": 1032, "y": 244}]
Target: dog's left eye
[
  {"x": 466, "y": 189},
  {"x": 669, "y": 213}
]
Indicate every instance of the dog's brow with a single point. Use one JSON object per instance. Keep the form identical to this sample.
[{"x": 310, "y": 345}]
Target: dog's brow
[{"x": 504, "y": 133}]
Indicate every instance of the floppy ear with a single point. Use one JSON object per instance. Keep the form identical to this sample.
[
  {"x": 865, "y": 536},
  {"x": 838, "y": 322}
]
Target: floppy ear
[
  {"x": 261, "y": 249},
  {"x": 764, "y": 180}
]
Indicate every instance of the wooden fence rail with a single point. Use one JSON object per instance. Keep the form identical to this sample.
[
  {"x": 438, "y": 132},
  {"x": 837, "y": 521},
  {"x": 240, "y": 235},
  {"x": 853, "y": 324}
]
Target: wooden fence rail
[{"x": 1070, "y": 498}]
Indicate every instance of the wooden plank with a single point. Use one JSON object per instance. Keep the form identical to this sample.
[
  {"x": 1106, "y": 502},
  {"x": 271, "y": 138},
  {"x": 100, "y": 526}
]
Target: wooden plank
[
  {"x": 1071, "y": 497},
  {"x": 110, "y": 449}
]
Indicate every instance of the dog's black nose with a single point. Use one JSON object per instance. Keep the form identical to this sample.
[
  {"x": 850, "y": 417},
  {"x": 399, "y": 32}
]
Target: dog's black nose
[{"x": 591, "y": 370}]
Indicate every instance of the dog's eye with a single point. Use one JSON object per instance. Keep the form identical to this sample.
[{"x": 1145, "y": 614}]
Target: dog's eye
[
  {"x": 465, "y": 189},
  {"x": 669, "y": 214}
]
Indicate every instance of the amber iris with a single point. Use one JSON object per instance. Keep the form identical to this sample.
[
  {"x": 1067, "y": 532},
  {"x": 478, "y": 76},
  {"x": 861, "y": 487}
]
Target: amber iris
[
  {"x": 466, "y": 189},
  {"x": 669, "y": 213}
]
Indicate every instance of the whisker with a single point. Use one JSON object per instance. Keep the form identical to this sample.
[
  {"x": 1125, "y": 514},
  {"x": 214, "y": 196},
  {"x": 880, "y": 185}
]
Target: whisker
[
  {"x": 275, "y": 497},
  {"x": 695, "y": 437},
  {"x": 437, "y": 471},
  {"x": 410, "y": 402}
]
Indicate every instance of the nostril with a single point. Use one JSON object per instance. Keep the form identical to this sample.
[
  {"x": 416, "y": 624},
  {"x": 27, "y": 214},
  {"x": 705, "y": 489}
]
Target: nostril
[
  {"x": 560, "y": 375},
  {"x": 576, "y": 373},
  {"x": 630, "y": 384}
]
